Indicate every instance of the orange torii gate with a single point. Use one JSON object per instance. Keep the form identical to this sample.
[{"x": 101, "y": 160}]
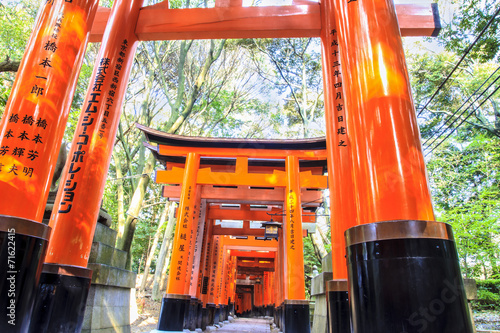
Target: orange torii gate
[
  {"x": 297, "y": 166},
  {"x": 375, "y": 164}
]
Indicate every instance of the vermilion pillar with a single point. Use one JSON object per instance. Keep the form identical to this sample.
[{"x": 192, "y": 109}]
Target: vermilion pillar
[
  {"x": 195, "y": 244},
  {"x": 35, "y": 116},
  {"x": 294, "y": 247},
  {"x": 340, "y": 179},
  {"x": 194, "y": 255},
  {"x": 207, "y": 250},
  {"x": 205, "y": 274},
  {"x": 76, "y": 208},
  {"x": 232, "y": 286},
  {"x": 296, "y": 308},
  {"x": 82, "y": 183},
  {"x": 226, "y": 261},
  {"x": 389, "y": 168},
  {"x": 338, "y": 144},
  {"x": 31, "y": 132},
  {"x": 391, "y": 184},
  {"x": 212, "y": 283},
  {"x": 175, "y": 302}
]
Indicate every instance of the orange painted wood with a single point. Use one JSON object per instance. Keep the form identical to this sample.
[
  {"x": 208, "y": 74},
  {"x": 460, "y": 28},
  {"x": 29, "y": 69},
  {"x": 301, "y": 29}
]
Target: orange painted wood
[
  {"x": 246, "y": 214},
  {"x": 246, "y": 195},
  {"x": 319, "y": 154},
  {"x": 301, "y": 20},
  {"x": 218, "y": 230},
  {"x": 343, "y": 211},
  {"x": 255, "y": 263},
  {"x": 217, "y": 213},
  {"x": 35, "y": 116},
  {"x": 388, "y": 164},
  {"x": 294, "y": 247},
  {"x": 252, "y": 254},
  {"x": 193, "y": 267},
  {"x": 251, "y": 168},
  {"x": 185, "y": 220},
  {"x": 228, "y": 3},
  {"x": 76, "y": 207},
  {"x": 205, "y": 259},
  {"x": 207, "y": 177}
]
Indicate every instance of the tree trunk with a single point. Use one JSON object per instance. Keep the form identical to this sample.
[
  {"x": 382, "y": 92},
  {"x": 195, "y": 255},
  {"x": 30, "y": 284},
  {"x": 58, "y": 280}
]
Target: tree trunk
[
  {"x": 164, "y": 276},
  {"x": 124, "y": 240},
  {"x": 153, "y": 248},
  {"x": 319, "y": 247},
  {"x": 9, "y": 65},
  {"x": 165, "y": 245},
  {"x": 121, "y": 195}
]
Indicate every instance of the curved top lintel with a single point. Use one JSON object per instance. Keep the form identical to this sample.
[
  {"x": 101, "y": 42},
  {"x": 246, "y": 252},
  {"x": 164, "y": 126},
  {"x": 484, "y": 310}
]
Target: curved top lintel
[{"x": 167, "y": 139}]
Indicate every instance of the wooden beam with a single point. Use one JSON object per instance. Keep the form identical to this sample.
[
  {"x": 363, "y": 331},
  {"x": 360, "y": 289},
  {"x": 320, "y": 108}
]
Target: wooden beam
[
  {"x": 217, "y": 213},
  {"x": 257, "y": 232},
  {"x": 207, "y": 177},
  {"x": 246, "y": 195},
  {"x": 158, "y": 22},
  {"x": 253, "y": 254}
]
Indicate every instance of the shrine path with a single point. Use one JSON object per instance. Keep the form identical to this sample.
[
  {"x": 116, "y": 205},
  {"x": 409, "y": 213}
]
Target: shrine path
[{"x": 247, "y": 325}]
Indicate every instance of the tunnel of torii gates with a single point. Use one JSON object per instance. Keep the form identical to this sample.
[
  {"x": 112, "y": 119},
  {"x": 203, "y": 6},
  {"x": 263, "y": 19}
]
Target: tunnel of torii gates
[{"x": 395, "y": 269}]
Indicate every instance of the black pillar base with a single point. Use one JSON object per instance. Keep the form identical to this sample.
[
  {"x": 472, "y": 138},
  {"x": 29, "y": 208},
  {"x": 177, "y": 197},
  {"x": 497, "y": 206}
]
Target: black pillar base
[
  {"x": 339, "y": 319},
  {"x": 404, "y": 276},
  {"x": 225, "y": 312},
  {"x": 277, "y": 316},
  {"x": 231, "y": 309},
  {"x": 296, "y": 316},
  {"x": 61, "y": 299},
  {"x": 199, "y": 314},
  {"x": 22, "y": 249},
  {"x": 204, "y": 319},
  {"x": 211, "y": 314},
  {"x": 191, "y": 316},
  {"x": 173, "y": 310},
  {"x": 217, "y": 314}
]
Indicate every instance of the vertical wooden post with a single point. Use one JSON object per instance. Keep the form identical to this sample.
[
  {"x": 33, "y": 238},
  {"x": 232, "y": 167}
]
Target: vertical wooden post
[
  {"x": 294, "y": 247},
  {"x": 175, "y": 303},
  {"x": 195, "y": 243},
  {"x": 203, "y": 280},
  {"x": 340, "y": 181},
  {"x": 31, "y": 132},
  {"x": 78, "y": 200},
  {"x": 296, "y": 307},
  {"x": 389, "y": 168},
  {"x": 35, "y": 116},
  {"x": 207, "y": 250},
  {"x": 76, "y": 207}
]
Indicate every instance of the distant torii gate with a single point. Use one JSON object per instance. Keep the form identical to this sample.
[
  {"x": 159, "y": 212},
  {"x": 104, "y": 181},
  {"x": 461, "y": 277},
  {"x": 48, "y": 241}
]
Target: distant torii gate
[
  {"x": 292, "y": 166},
  {"x": 376, "y": 168}
]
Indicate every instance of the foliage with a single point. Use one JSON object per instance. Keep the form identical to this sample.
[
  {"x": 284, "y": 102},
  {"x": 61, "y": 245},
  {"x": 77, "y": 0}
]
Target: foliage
[
  {"x": 465, "y": 185},
  {"x": 464, "y": 118},
  {"x": 488, "y": 295},
  {"x": 13, "y": 38},
  {"x": 293, "y": 67},
  {"x": 469, "y": 19},
  {"x": 310, "y": 260},
  {"x": 465, "y": 93}
]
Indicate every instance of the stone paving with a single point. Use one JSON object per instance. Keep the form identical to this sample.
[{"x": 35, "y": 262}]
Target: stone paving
[{"x": 247, "y": 325}]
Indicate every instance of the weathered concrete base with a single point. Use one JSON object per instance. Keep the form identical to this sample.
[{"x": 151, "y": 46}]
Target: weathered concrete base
[
  {"x": 318, "y": 292},
  {"x": 111, "y": 303},
  {"x": 107, "y": 310}
]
